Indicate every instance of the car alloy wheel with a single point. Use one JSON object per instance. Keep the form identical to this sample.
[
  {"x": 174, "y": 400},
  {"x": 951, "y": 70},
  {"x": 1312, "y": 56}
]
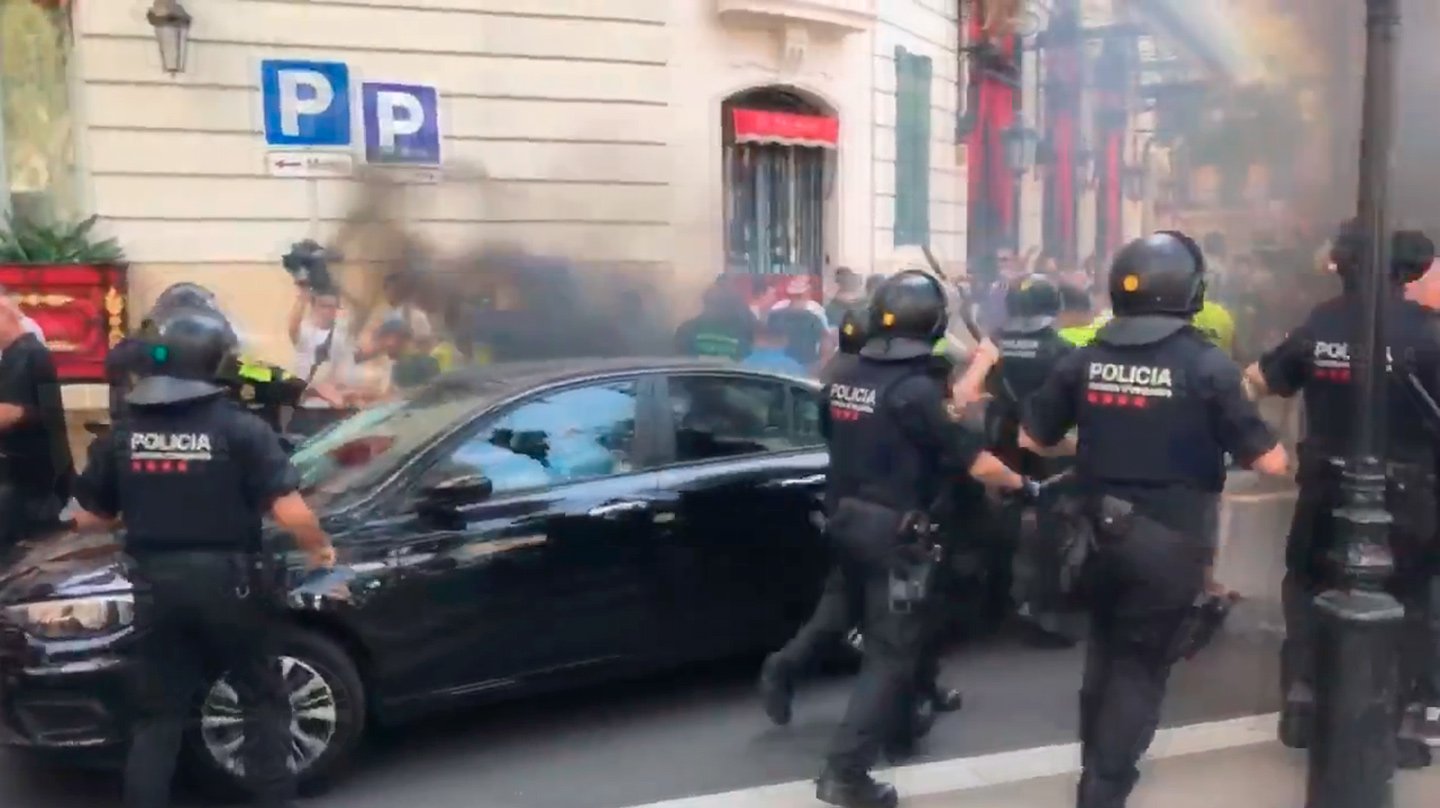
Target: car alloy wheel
[{"x": 313, "y": 721}]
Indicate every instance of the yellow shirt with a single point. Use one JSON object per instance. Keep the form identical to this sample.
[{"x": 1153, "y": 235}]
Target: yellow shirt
[
  {"x": 1213, "y": 321},
  {"x": 1217, "y": 325}
]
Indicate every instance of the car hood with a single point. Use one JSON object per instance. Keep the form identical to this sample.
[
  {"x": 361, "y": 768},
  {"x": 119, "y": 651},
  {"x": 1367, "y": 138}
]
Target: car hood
[{"x": 63, "y": 564}]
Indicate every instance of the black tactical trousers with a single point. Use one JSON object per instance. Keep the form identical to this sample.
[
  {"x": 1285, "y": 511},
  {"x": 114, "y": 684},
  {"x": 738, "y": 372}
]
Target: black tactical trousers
[
  {"x": 203, "y": 618},
  {"x": 882, "y": 703},
  {"x": 26, "y": 513},
  {"x": 1144, "y": 583},
  {"x": 833, "y": 617}
]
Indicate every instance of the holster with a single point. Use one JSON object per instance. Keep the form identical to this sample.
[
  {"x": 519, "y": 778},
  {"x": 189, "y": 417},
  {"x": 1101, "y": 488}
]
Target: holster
[
  {"x": 1114, "y": 517},
  {"x": 1078, "y": 545},
  {"x": 1202, "y": 622},
  {"x": 866, "y": 532}
]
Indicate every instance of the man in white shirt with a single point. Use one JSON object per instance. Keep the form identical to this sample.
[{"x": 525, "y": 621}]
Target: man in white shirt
[{"x": 324, "y": 356}]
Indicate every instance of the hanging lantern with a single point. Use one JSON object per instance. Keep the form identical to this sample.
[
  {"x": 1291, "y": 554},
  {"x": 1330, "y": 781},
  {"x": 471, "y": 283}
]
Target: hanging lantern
[
  {"x": 1020, "y": 143},
  {"x": 1135, "y": 178},
  {"x": 172, "y": 32}
]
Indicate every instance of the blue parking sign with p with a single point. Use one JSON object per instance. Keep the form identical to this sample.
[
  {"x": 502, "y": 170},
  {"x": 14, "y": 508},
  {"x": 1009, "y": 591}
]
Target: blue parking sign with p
[
  {"x": 305, "y": 103},
  {"x": 401, "y": 123}
]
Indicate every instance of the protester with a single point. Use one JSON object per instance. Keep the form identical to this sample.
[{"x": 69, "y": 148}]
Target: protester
[
  {"x": 771, "y": 351},
  {"x": 850, "y": 295},
  {"x": 803, "y": 322},
  {"x": 36, "y": 469}
]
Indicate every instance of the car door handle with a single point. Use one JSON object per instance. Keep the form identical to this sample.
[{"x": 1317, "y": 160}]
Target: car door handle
[
  {"x": 796, "y": 482},
  {"x": 618, "y": 508}
]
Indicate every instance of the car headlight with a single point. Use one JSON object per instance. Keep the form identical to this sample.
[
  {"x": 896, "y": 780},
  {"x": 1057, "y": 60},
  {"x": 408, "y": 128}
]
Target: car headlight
[{"x": 74, "y": 618}]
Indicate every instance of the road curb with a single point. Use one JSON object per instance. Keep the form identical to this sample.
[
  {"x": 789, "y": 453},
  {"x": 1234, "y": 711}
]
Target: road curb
[{"x": 966, "y": 774}]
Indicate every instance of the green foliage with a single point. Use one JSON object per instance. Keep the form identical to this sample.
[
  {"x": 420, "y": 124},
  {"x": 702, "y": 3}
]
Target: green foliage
[{"x": 23, "y": 241}]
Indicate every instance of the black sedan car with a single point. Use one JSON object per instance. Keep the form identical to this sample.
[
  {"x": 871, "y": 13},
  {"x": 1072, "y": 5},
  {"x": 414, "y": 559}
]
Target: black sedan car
[{"x": 503, "y": 531}]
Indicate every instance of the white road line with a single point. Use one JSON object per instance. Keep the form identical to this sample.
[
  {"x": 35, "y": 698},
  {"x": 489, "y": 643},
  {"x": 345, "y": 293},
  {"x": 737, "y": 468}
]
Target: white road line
[{"x": 964, "y": 774}]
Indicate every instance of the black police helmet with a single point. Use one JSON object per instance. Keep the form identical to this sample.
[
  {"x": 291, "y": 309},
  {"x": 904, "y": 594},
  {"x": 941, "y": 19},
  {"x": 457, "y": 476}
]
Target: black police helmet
[
  {"x": 185, "y": 295},
  {"x": 853, "y": 331},
  {"x": 1161, "y": 274},
  {"x": 907, "y": 315},
  {"x": 1411, "y": 252},
  {"x": 186, "y": 353},
  {"x": 1032, "y": 304}
]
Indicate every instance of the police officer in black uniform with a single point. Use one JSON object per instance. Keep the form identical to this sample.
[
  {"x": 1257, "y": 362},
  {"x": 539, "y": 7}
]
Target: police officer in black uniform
[
  {"x": 892, "y": 442},
  {"x": 1157, "y": 407},
  {"x": 1314, "y": 360},
  {"x": 1028, "y": 348},
  {"x": 191, "y": 475},
  {"x": 833, "y": 616}
]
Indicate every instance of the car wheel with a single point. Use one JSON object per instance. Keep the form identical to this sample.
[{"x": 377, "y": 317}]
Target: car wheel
[{"x": 327, "y": 700}]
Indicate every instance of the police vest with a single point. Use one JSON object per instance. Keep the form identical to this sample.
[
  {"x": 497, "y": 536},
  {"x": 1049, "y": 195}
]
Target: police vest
[
  {"x": 1143, "y": 416},
  {"x": 180, "y": 483},
  {"x": 870, "y": 457},
  {"x": 1329, "y": 390},
  {"x": 1026, "y": 358}
]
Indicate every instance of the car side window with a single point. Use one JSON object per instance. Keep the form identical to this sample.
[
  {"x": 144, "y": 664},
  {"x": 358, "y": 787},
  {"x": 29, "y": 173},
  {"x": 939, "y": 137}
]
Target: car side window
[
  {"x": 562, "y": 437},
  {"x": 727, "y": 416},
  {"x": 805, "y": 417}
]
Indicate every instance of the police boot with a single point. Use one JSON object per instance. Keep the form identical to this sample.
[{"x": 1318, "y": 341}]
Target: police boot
[
  {"x": 777, "y": 689},
  {"x": 854, "y": 791},
  {"x": 1411, "y": 754},
  {"x": 947, "y": 700},
  {"x": 1095, "y": 791},
  {"x": 1297, "y": 716},
  {"x": 1422, "y": 723}
]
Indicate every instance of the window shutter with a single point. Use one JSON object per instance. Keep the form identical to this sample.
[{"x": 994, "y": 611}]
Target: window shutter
[
  {"x": 913, "y": 77},
  {"x": 903, "y": 91}
]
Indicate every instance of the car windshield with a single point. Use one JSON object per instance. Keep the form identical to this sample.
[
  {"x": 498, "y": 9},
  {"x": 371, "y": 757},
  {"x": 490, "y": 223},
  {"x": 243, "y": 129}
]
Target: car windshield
[{"x": 358, "y": 453}]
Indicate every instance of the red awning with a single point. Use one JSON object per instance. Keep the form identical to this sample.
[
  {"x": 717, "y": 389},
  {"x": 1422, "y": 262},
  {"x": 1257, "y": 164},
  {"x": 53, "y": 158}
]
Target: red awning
[{"x": 785, "y": 128}]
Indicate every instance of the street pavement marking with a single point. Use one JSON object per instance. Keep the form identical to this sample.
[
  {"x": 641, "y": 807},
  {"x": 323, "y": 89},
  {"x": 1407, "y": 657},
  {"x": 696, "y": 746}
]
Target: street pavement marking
[{"x": 964, "y": 774}]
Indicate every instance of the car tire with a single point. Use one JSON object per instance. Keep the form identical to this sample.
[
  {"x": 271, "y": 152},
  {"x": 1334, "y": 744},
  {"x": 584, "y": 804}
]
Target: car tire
[{"x": 324, "y": 682}]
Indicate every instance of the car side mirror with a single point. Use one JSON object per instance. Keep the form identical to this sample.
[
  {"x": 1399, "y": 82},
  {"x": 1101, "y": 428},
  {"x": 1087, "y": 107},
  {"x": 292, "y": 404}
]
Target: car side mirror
[{"x": 455, "y": 492}]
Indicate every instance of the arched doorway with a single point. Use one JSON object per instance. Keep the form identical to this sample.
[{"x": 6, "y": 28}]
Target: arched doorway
[{"x": 778, "y": 174}]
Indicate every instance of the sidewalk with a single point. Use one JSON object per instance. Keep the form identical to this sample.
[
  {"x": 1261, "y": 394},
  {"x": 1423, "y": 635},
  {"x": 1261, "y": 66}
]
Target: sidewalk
[{"x": 1259, "y": 776}]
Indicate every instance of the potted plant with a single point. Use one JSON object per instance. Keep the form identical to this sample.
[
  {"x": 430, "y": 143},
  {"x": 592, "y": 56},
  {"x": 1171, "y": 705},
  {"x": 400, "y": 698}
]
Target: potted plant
[{"x": 72, "y": 284}]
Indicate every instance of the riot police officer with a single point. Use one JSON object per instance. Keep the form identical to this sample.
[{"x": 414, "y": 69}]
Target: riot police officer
[
  {"x": 833, "y": 615},
  {"x": 1029, "y": 347},
  {"x": 1157, "y": 407},
  {"x": 891, "y": 442},
  {"x": 1314, "y": 360},
  {"x": 191, "y": 475}
]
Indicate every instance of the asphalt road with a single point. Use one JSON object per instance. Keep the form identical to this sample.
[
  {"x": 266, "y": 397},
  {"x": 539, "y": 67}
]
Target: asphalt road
[{"x": 701, "y": 732}]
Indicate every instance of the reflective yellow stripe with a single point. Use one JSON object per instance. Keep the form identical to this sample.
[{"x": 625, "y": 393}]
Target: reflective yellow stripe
[{"x": 256, "y": 373}]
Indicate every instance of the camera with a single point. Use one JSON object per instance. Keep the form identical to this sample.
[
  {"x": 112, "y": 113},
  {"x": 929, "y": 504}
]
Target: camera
[{"x": 308, "y": 262}]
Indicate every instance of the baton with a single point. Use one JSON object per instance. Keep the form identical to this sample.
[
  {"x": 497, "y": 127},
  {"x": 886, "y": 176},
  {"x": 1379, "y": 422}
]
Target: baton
[{"x": 967, "y": 318}]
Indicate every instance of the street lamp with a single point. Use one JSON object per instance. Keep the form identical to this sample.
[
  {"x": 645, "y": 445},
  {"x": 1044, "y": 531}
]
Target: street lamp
[
  {"x": 172, "y": 32},
  {"x": 1134, "y": 179},
  {"x": 1020, "y": 143},
  {"x": 1353, "y": 745}
]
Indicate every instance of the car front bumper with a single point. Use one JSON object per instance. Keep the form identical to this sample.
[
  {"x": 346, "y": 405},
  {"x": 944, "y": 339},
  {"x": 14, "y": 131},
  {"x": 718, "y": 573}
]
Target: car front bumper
[{"x": 54, "y": 698}]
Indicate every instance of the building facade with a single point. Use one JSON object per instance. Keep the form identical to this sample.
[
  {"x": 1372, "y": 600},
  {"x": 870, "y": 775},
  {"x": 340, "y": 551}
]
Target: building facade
[{"x": 601, "y": 131}]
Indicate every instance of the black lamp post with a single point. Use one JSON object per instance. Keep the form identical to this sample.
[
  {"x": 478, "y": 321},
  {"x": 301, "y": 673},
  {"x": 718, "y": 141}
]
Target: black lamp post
[
  {"x": 172, "y": 33},
  {"x": 1353, "y": 746}
]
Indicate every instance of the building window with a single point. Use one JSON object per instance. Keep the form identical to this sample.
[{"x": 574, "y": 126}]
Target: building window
[
  {"x": 776, "y": 174},
  {"x": 37, "y": 147},
  {"x": 913, "y": 76}
]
